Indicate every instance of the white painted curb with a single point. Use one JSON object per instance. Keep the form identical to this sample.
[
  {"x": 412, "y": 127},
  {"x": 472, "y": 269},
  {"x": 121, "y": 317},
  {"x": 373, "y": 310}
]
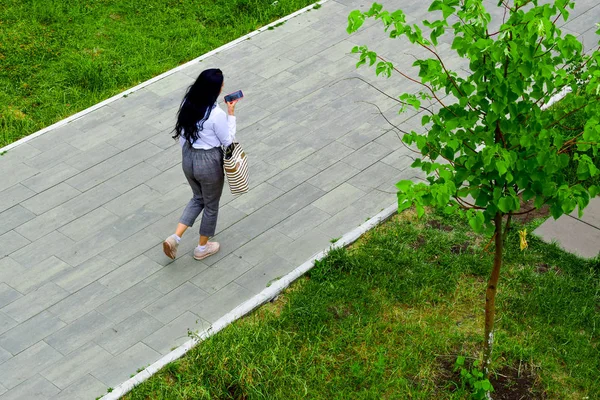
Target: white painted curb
[
  {"x": 157, "y": 78},
  {"x": 266, "y": 295}
]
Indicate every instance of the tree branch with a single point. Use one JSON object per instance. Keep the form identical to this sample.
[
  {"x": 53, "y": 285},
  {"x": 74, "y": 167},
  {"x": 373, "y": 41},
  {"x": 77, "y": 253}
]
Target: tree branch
[
  {"x": 567, "y": 115},
  {"x": 382, "y": 92},
  {"x": 422, "y": 84},
  {"x": 446, "y": 72}
]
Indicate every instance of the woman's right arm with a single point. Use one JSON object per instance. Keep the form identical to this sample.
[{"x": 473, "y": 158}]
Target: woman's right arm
[{"x": 225, "y": 126}]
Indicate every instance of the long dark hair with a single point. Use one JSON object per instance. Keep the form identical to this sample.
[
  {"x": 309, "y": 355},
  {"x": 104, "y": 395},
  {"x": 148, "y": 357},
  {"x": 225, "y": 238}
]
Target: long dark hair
[{"x": 197, "y": 104}]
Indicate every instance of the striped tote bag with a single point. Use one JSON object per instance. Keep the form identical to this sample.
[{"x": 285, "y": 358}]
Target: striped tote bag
[{"x": 235, "y": 164}]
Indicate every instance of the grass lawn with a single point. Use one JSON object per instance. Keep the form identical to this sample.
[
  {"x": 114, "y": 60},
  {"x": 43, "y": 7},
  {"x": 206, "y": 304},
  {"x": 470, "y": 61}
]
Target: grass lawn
[
  {"x": 58, "y": 57},
  {"x": 388, "y": 317}
]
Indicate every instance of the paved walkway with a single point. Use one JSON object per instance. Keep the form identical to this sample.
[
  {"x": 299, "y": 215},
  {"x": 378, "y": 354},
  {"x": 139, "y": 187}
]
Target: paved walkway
[
  {"x": 86, "y": 295},
  {"x": 580, "y": 236}
]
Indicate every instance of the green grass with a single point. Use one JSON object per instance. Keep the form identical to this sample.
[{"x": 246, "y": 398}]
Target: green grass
[
  {"x": 382, "y": 319},
  {"x": 58, "y": 57}
]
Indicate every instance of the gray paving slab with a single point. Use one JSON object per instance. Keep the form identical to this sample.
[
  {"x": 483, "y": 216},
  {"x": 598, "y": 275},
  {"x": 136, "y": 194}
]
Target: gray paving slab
[
  {"x": 14, "y": 195},
  {"x": 88, "y": 224},
  {"x": 172, "y": 201},
  {"x": 572, "y": 235},
  {"x": 167, "y": 158},
  {"x": 6, "y": 322},
  {"x": 30, "y": 332},
  {"x": 88, "y": 272},
  {"x": 328, "y": 155},
  {"x": 8, "y": 294},
  {"x": 129, "y": 274},
  {"x": 266, "y": 272},
  {"x": 176, "y": 332},
  {"x": 95, "y": 155},
  {"x": 132, "y": 200},
  {"x": 133, "y": 177},
  {"x": 137, "y": 131},
  {"x": 84, "y": 249},
  {"x": 293, "y": 176},
  {"x": 374, "y": 176},
  {"x": 129, "y": 302},
  {"x": 167, "y": 180},
  {"x": 344, "y": 221},
  {"x": 82, "y": 302},
  {"x": 334, "y": 176},
  {"x": 31, "y": 304},
  {"x": 339, "y": 198},
  {"x": 262, "y": 247},
  {"x": 591, "y": 214},
  {"x": 261, "y": 172},
  {"x": 305, "y": 247},
  {"x": 14, "y": 217},
  {"x": 27, "y": 364},
  {"x": 50, "y": 198},
  {"x": 84, "y": 207},
  {"x": 127, "y": 226},
  {"x": 127, "y": 333},
  {"x": 221, "y": 302},
  {"x": 113, "y": 166},
  {"x": 11, "y": 241},
  {"x": 14, "y": 173},
  {"x": 50, "y": 177},
  {"x": 78, "y": 333},
  {"x": 169, "y": 307},
  {"x": 131, "y": 247},
  {"x": 183, "y": 269},
  {"x": 94, "y": 136},
  {"x": 245, "y": 230},
  {"x": 9, "y": 268},
  {"x": 301, "y": 222},
  {"x": 219, "y": 275},
  {"x": 35, "y": 388},
  {"x": 367, "y": 155},
  {"x": 125, "y": 365},
  {"x": 55, "y": 218},
  {"x": 4, "y": 355},
  {"x": 298, "y": 198},
  {"x": 76, "y": 365},
  {"x": 21, "y": 153},
  {"x": 86, "y": 387}
]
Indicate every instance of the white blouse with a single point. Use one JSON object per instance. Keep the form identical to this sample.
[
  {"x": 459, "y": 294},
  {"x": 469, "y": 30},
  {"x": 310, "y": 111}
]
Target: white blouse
[{"x": 218, "y": 130}]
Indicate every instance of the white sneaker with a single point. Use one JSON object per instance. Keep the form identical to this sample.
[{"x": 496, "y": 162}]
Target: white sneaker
[
  {"x": 211, "y": 248},
  {"x": 170, "y": 247}
]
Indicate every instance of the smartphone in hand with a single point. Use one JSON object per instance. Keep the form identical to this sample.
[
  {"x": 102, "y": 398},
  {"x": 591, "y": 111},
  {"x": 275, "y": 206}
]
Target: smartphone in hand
[{"x": 234, "y": 96}]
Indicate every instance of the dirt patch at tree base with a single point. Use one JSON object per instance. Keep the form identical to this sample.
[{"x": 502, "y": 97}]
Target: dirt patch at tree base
[
  {"x": 541, "y": 212},
  {"x": 509, "y": 383}
]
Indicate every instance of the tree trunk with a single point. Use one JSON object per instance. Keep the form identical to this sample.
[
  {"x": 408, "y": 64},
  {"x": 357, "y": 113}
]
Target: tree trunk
[{"x": 490, "y": 296}]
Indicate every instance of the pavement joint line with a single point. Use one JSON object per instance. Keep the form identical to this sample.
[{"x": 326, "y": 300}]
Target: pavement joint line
[
  {"x": 250, "y": 305},
  {"x": 582, "y": 221},
  {"x": 142, "y": 85}
]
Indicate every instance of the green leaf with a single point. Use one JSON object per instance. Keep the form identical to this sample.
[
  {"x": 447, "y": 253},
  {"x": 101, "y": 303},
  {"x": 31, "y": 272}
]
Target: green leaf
[
  {"x": 355, "y": 20},
  {"x": 504, "y": 204},
  {"x": 404, "y": 186},
  {"x": 476, "y": 221}
]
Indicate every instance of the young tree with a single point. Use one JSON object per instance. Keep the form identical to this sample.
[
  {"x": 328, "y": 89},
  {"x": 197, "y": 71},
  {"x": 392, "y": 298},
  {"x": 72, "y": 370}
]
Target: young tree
[{"x": 493, "y": 144}]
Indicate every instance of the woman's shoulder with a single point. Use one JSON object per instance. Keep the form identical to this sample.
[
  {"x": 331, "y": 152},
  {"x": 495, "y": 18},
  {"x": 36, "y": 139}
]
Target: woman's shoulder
[{"x": 219, "y": 111}]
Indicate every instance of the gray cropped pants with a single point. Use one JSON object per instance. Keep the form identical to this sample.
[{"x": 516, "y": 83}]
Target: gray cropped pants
[{"x": 204, "y": 172}]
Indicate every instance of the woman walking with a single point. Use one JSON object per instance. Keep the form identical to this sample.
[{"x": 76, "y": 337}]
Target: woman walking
[{"x": 202, "y": 128}]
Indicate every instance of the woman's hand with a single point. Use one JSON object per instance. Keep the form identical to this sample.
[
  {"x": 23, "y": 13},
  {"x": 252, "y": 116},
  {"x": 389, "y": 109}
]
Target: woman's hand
[{"x": 231, "y": 106}]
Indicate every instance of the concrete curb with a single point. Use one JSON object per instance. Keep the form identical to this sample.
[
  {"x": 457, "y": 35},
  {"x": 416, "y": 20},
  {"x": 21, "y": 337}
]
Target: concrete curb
[
  {"x": 248, "y": 306},
  {"x": 156, "y": 78}
]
